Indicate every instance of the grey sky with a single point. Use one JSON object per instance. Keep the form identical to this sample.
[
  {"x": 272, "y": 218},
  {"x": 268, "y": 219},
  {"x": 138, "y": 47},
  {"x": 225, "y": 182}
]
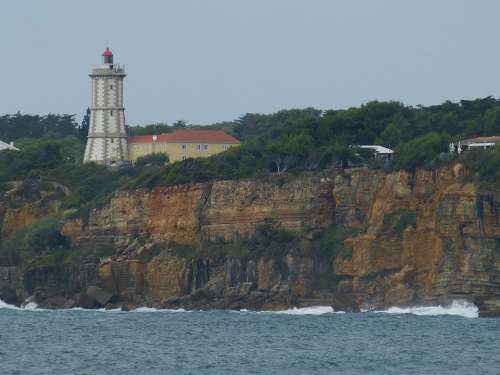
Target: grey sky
[{"x": 213, "y": 60}]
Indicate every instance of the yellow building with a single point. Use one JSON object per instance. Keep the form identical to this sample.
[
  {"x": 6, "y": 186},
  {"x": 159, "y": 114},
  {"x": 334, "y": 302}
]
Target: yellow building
[{"x": 181, "y": 144}]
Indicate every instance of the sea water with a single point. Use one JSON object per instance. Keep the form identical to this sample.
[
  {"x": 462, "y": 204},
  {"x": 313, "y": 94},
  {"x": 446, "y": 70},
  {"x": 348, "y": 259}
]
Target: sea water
[{"x": 315, "y": 340}]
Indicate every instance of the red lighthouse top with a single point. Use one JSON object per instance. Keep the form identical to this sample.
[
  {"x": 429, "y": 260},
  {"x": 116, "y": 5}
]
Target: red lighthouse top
[{"x": 107, "y": 56}]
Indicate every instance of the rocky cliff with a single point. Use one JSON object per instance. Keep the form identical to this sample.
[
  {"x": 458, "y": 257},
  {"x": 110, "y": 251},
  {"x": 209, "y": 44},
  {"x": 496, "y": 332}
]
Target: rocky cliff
[{"x": 357, "y": 239}]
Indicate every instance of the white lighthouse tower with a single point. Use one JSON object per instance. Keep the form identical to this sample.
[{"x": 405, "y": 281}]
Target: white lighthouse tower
[{"x": 107, "y": 138}]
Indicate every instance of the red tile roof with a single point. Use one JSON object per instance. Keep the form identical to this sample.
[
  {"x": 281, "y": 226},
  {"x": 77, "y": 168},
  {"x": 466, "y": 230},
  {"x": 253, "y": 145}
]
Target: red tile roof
[{"x": 188, "y": 136}]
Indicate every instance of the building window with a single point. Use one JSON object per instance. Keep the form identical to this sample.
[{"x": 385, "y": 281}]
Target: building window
[
  {"x": 205, "y": 147},
  {"x": 111, "y": 113},
  {"x": 198, "y": 147},
  {"x": 111, "y": 87},
  {"x": 225, "y": 147},
  {"x": 184, "y": 157},
  {"x": 184, "y": 147}
]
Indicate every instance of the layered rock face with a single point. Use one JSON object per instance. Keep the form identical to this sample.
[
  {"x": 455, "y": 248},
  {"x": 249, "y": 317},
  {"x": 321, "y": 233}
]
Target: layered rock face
[
  {"x": 450, "y": 250},
  {"x": 421, "y": 238},
  {"x": 221, "y": 210}
]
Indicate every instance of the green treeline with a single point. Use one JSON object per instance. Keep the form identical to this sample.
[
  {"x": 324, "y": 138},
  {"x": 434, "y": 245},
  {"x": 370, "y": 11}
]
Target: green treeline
[
  {"x": 288, "y": 141},
  {"x": 17, "y": 126}
]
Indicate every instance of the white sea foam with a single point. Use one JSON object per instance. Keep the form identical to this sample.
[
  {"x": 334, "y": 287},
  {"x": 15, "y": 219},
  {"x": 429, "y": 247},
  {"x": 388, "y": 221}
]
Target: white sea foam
[
  {"x": 4, "y": 305},
  {"x": 459, "y": 308},
  {"x": 152, "y": 309},
  {"x": 28, "y": 306},
  {"x": 119, "y": 310},
  {"x": 312, "y": 310}
]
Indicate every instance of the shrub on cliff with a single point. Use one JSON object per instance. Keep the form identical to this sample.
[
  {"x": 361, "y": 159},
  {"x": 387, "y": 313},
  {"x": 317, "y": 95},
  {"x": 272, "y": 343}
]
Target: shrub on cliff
[
  {"x": 89, "y": 184},
  {"x": 266, "y": 242},
  {"x": 233, "y": 164},
  {"x": 423, "y": 151},
  {"x": 271, "y": 242},
  {"x": 484, "y": 166},
  {"x": 330, "y": 243},
  {"x": 153, "y": 160},
  {"x": 42, "y": 238},
  {"x": 4, "y": 188}
]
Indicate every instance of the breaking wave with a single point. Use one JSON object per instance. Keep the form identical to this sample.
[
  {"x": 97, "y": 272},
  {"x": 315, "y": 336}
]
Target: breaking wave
[
  {"x": 28, "y": 306},
  {"x": 458, "y": 308},
  {"x": 33, "y": 306},
  {"x": 152, "y": 309},
  {"x": 312, "y": 310}
]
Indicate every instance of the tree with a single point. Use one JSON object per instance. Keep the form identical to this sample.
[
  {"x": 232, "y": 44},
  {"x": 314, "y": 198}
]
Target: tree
[
  {"x": 14, "y": 127},
  {"x": 83, "y": 129},
  {"x": 421, "y": 152},
  {"x": 491, "y": 121},
  {"x": 150, "y": 129},
  {"x": 288, "y": 149},
  {"x": 180, "y": 124}
]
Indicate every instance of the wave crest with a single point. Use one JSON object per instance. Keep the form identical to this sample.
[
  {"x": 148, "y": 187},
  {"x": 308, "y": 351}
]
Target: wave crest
[
  {"x": 28, "y": 306},
  {"x": 312, "y": 310},
  {"x": 153, "y": 309},
  {"x": 457, "y": 307}
]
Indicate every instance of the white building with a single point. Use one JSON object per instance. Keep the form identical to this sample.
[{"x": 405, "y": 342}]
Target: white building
[
  {"x": 474, "y": 143},
  {"x": 8, "y": 146},
  {"x": 380, "y": 152},
  {"x": 107, "y": 138}
]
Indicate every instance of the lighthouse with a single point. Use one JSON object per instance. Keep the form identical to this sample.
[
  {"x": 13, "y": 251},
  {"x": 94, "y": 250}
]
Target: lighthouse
[{"x": 107, "y": 137}]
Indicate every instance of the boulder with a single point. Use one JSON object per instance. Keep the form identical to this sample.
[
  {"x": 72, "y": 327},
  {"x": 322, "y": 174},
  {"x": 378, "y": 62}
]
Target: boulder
[
  {"x": 53, "y": 302},
  {"x": 399, "y": 296},
  {"x": 489, "y": 307},
  {"x": 9, "y": 295},
  {"x": 129, "y": 306},
  {"x": 246, "y": 288},
  {"x": 69, "y": 304},
  {"x": 101, "y": 296},
  {"x": 256, "y": 299},
  {"x": 344, "y": 302},
  {"x": 85, "y": 302}
]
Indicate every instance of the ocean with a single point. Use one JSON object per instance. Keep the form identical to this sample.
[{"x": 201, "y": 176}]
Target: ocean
[{"x": 315, "y": 340}]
